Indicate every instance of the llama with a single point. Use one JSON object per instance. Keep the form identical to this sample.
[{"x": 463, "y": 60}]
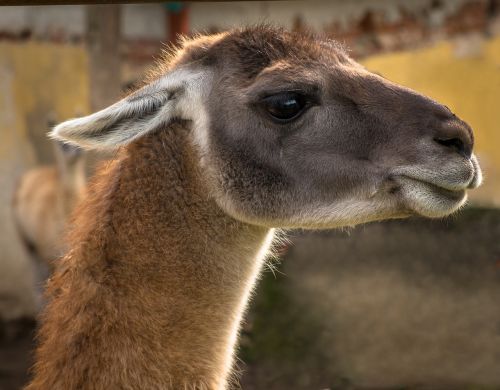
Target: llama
[
  {"x": 235, "y": 135},
  {"x": 44, "y": 200}
]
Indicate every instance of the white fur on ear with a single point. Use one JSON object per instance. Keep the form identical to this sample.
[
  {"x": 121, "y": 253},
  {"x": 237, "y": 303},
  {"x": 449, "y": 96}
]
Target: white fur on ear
[{"x": 176, "y": 94}]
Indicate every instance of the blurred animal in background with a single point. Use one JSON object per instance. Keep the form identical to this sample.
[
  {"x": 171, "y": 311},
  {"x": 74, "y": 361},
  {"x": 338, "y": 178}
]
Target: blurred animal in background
[
  {"x": 44, "y": 200},
  {"x": 236, "y": 134}
]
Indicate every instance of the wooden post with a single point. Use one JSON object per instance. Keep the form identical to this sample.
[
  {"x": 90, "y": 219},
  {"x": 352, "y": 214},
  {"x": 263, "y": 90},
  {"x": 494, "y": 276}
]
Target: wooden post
[
  {"x": 178, "y": 20},
  {"x": 103, "y": 45}
]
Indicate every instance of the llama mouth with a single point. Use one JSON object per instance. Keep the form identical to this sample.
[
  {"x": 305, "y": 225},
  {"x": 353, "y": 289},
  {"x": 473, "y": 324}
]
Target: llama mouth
[
  {"x": 430, "y": 199},
  {"x": 437, "y": 191}
]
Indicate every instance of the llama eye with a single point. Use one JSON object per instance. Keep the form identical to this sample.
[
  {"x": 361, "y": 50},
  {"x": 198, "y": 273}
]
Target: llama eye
[{"x": 285, "y": 107}]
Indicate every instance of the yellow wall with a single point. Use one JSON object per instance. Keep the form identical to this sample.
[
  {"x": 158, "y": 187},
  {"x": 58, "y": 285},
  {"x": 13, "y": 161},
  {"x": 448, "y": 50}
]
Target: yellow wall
[
  {"x": 35, "y": 79},
  {"x": 38, "y": 79},
  {"x": 469, "y": 85}
]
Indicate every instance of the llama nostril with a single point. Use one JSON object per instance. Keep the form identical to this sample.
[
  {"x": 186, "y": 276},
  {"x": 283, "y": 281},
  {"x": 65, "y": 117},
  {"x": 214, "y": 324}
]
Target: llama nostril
[{"x": 454, "y": 143}]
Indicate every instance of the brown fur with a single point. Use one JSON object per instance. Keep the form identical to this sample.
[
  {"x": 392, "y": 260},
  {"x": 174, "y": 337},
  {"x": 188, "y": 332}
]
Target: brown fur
[{"x": 131, "y": 298}]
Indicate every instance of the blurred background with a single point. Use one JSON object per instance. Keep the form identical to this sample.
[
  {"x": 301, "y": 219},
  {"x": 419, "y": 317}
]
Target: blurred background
[{"x": 411, "y": 304}]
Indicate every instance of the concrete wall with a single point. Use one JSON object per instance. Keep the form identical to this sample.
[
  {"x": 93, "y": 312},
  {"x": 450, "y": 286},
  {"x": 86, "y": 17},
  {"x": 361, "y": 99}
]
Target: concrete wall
[
  {"x": 17, "y": 297},
  {"x": 316, "y": 14},
  {"x": 409, "y": 304},
  {"x": 149, "y": 20},
  {"x": 38, "y": 81},
  {"x": 48, "y": 81},
  {"x": 139, "y": 21}
]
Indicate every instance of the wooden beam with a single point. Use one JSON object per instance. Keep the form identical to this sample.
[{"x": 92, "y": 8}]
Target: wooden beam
[{"x": 74, "y": 2}]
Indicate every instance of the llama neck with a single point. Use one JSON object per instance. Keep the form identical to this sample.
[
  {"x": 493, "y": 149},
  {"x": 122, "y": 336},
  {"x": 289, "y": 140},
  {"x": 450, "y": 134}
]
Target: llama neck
[{"x": 152, "y": 293}]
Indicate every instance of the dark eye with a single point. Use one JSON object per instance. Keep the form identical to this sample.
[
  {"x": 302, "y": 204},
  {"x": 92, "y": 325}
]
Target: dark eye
[{"x": 286, "y": 106}]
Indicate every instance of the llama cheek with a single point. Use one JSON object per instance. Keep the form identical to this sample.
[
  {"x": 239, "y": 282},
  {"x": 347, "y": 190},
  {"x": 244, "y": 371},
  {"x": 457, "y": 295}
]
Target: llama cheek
[{"x": 192, "y": 106}]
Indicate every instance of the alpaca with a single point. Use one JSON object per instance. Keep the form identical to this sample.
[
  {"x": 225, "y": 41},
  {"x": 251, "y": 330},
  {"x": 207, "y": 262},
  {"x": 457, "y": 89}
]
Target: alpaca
[
  {"x": 235, "y": 135},
  {"x": 44, "y": 200}
]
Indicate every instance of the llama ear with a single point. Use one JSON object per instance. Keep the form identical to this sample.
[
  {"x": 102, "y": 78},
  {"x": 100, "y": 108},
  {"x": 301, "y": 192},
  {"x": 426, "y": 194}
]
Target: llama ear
[{"x": 149, "y": 108}]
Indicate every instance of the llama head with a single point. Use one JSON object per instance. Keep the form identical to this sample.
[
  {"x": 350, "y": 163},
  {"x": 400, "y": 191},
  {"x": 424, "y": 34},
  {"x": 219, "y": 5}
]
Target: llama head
[{"x": 291, "y": 132}]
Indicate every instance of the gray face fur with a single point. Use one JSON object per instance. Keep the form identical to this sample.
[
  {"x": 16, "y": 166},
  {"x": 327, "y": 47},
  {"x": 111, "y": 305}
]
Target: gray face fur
[{"x": 357, "y": 147}]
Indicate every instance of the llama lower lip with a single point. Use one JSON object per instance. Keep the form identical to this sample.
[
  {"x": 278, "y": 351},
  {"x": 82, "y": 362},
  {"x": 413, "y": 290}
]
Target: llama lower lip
[
  {"x": 450, "y": 195},
  {"x": 441, "y": 190},
  {"x": 429, "y": 199}
]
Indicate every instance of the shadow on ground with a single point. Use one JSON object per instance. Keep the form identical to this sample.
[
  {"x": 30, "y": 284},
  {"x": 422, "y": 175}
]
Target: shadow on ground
[{"x": 411, "y": 304}]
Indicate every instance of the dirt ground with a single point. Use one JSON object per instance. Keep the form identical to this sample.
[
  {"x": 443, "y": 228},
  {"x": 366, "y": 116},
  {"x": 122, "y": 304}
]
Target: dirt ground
[
  {"x": 408, "y": 304},
  {"x": 16, "y": 344}
]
